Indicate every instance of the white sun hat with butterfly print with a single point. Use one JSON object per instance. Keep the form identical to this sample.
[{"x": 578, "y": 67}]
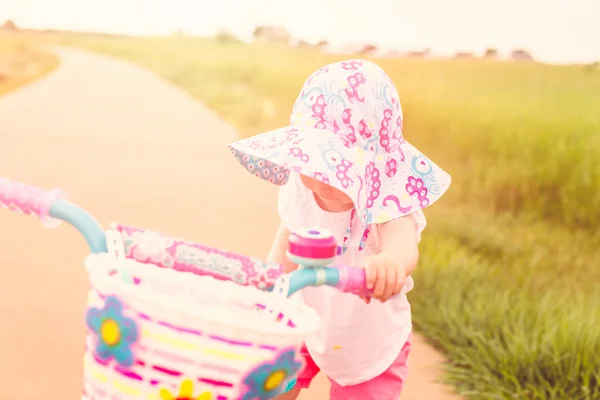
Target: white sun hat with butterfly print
[{"x": 346, "y": 130}]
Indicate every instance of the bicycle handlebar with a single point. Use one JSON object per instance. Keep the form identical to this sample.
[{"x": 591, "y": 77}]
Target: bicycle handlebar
[
  {"x": 29, "y": 200},
  {"x": 313, "y": 250},
  {"x": 344, "y": 278},
  {"x": 353, "y": 280}
]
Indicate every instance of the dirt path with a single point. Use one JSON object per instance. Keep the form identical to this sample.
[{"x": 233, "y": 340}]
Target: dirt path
[{"x": 134, "y": 149}]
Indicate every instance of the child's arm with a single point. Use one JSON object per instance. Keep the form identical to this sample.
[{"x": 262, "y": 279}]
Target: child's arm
[
  {"x": 399, "y": 240},
  {"x": 387, "y": 271},
  {"x": 278, "y": 249}
]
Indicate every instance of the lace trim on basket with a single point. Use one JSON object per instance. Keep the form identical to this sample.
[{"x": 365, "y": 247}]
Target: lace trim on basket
[{"x": 275, "y": 306}]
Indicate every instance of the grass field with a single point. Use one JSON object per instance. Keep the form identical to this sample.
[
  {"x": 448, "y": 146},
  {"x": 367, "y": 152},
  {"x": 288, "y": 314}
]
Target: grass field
[
  {"x": 21, "y": 61},
  {"x": 507, "y": 286}
]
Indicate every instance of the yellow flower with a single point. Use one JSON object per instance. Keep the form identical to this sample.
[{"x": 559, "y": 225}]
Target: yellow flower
[
  {"x": 186, "y": 392},
  {"x": 110, "y": 332},
  {"x": 274, "y": 380}
]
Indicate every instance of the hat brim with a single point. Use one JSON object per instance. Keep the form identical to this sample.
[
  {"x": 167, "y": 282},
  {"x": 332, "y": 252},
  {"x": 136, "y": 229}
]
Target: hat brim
[{"x": 383, "y": 187}]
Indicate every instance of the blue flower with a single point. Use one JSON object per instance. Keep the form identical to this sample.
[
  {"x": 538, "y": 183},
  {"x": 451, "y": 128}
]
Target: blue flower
[
  {"x": 116, "y": 333},
  {"x": 271, "y": 378}
]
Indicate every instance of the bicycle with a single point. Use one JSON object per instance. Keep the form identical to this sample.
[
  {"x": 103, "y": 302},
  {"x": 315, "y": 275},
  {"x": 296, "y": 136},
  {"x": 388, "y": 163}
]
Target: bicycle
[{"x": 169, "y": 319}]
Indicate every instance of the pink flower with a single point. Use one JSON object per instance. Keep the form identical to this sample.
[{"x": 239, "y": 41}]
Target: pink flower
[
  {"x": 260, "y": 281},
  {"x": 351, "y": 65},
  {"x": 319, "y": 108},
  {"x": 416, "y": 188},
  {"x": 352, "y": 91},
  {"x": 321, "y": 177},
  {"x": 373, "y": 183},
  {"x": 364, "y": 130},
  {"x": 342, "y": 173},
  {"x": 391, "y": 167},
  {"x": 349, "y": 136},
  {"x": 297, "y": 153},
  {"x": 384, "y": 139}
]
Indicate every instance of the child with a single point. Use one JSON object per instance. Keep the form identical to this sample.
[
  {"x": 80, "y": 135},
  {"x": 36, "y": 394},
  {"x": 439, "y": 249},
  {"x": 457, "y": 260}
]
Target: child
[{"x": 343, "y": 165}]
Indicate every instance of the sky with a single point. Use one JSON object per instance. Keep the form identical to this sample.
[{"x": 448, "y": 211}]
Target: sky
[{"x": 555, "y": 31}]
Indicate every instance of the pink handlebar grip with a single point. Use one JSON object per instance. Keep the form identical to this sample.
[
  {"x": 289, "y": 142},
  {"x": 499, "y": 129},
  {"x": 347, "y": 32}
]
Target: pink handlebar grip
[
  {"x": 29, "y": 200},
  {"x": 353, "y": 280}
]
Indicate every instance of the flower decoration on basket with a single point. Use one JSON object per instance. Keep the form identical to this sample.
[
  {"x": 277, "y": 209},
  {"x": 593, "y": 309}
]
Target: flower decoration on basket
[
  {"x": 152, "y": 247},
  {"x": 115, "y": 332},
  {"x": 186, "y": 392},
  {"x": 272, "y": 377}
]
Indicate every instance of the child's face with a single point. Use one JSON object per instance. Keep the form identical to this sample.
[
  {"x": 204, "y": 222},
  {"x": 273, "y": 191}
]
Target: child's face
[{"x": 329, "y": 198}]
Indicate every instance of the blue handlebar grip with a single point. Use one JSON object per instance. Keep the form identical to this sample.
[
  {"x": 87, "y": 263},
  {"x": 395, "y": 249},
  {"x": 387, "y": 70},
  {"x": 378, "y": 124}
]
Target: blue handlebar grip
[{"x": 313, "y": 277}]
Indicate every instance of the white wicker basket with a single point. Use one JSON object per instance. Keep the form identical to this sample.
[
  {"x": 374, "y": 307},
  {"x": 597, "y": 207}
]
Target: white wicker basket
[{"x": 174, "y": 335}]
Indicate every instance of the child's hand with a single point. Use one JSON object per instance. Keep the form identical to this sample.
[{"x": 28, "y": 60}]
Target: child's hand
[{"x": 385, "y": 276}]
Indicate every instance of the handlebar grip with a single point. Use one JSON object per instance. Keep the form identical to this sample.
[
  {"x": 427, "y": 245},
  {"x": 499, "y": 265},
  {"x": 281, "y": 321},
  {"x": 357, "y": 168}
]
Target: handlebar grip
[
  {"x": 353, "y": 280},
  {"x": 29, "y": 200}
]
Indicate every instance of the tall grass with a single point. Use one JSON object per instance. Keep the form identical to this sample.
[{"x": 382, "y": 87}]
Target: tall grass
[
  {"x": 538, "y": 123},
  {"x": 507, "y": 283},
  {"x": 515, "y": 306},
  {"x": 22, "y": 61}
]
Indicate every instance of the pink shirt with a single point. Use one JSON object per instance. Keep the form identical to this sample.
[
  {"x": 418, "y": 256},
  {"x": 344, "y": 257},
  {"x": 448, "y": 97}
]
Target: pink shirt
[{"x": 356, "y": 342}]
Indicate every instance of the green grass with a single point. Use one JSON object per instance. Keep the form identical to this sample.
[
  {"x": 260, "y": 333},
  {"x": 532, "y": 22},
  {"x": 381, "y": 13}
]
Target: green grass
[
  {"x": 507, "y": 282},
  {"x": 22, "y": 61},
  {"x": 515, "y": 306}
]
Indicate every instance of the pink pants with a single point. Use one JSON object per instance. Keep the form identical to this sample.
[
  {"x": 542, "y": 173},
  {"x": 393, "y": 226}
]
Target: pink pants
[{"x": 386, "y": 386}]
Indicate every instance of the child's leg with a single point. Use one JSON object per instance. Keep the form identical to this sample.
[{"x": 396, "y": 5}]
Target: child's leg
[
  {"x": 304, "y": 379},
  {"x": 386, "y": 386}
]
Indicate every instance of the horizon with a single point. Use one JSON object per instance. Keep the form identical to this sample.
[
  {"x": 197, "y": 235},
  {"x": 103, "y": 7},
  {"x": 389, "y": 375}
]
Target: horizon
[{"x": 551, "y": 30}]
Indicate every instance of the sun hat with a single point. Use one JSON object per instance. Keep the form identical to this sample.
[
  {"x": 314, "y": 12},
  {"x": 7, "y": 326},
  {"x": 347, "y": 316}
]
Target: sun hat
[{"x": 346, "y": 130}]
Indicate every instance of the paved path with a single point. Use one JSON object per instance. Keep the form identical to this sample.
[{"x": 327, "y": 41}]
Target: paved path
[{"x": 134, "y": 149}]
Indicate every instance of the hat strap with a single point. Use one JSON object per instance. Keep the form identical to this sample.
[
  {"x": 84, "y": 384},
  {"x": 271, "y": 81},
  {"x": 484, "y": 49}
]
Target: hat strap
[
  {"x": 348, "y": 234},
  {"x": 365, "y": 236}
]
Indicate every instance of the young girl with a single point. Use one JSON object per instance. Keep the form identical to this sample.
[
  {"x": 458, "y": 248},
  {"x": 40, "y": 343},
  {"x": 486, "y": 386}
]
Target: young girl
[{"x": 343, "y": 165}]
